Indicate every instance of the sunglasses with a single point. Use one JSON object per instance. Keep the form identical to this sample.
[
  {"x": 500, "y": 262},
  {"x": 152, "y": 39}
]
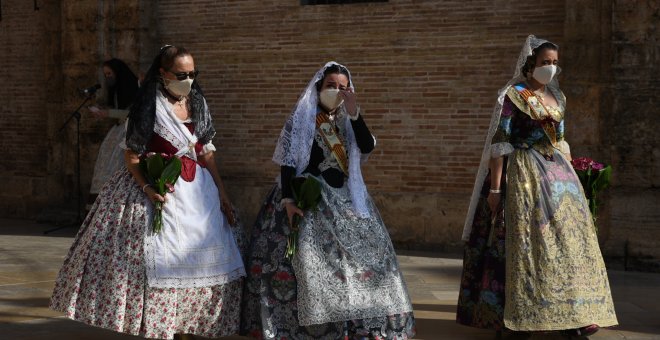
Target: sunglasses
[{"x": 185, "y": 75}]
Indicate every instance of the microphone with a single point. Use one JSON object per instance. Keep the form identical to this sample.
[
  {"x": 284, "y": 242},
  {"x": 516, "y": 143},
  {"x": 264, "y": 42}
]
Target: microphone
[{"x": 90, "y": 90}]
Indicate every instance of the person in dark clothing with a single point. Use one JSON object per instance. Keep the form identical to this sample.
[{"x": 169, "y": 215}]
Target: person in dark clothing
[
  {"x": 344, "y": 279},
  {"x": 121, "y": 87}
]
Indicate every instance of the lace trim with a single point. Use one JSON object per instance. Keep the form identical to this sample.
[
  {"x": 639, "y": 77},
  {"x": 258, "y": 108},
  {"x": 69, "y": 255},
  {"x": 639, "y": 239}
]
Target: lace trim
[
  {"x": 500, "y": 149},
  {"x": 198, "y": 282},
  {"x": 207, "y": 148},
  {"x": 348, "y": 263},
  {"x": 168, "y": 136}
]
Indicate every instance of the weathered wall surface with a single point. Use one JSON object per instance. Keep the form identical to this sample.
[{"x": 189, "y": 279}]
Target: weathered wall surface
[{"x": 612, "y": 57}]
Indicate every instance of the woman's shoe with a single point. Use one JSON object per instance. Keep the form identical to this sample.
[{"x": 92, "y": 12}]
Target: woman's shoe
[
  {"x": 588, "y": 330},
  {"x": 582, "y": 331}
]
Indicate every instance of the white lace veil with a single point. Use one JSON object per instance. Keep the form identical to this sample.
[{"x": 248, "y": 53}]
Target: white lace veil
[
  {"x": 295, "y": 143},
  {"x": 531, "y": 43}
]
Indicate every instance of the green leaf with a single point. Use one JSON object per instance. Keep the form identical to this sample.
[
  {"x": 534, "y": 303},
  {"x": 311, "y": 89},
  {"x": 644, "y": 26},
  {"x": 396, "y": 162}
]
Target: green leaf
[
  {"x": 296, "y": 184},
  {"x": 582, "y": 176},
  {"x": 310, "y": 193},
  {"x": 143, "y": 168},
  {"x": 172, "y": 171},
  {"x": 602, "y": 179},
  {"x": 155, "y": 166},
  {"x": 590, "y": 179},
  {"x": 160, "y": 186},
  {"x": 307, "y": 194}
]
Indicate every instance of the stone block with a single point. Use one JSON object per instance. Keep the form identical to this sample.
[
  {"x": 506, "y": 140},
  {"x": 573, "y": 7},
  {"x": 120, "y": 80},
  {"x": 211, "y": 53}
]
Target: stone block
[
  {"x": 632, "y": 20},
  {"x": 582, "y": 119}
]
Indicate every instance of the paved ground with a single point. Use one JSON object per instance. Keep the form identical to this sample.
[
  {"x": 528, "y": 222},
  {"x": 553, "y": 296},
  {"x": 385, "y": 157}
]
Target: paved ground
[{"x": 29, "y": 262}]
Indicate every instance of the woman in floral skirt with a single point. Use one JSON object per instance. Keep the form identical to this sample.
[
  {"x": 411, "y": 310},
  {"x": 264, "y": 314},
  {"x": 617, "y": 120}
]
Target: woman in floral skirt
[{"x": 187, "y": 278}]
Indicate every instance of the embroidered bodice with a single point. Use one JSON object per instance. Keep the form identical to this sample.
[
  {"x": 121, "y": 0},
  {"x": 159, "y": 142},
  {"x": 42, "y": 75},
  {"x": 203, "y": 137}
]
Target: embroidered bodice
[
  {"x": 322, "y": 162},
  {"x": 524, "y": 124},
  {"x": 161, "y": 142}
]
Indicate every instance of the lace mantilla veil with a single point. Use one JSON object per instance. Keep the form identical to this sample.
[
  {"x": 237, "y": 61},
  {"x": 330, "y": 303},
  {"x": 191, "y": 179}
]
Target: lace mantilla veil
[
  {"x": 294, "y": 145},
  {"x": 531, "y": 43}
]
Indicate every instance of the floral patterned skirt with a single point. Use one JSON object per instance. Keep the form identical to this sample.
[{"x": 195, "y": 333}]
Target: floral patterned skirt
[
  {"x": 481, "y": 295},
  {"x": 103, "y": 280},
  {"x": 555, "y": 274},
  {"x": 272, "y": 297}
]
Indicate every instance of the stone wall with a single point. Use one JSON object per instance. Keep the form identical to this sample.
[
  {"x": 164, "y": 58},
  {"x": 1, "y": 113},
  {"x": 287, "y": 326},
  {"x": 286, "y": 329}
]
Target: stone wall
[
  {"x": 611, "y": 83},
  {"x": 631, "y": 131},
  {"x": 30, "y": 40}
]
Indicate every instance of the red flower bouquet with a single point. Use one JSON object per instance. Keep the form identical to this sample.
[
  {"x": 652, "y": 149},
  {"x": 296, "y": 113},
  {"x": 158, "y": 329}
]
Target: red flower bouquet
[{"x": 594, "y": 177}]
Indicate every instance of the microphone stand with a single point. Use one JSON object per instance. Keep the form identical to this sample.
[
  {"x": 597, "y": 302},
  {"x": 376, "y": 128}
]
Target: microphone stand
[{"x": 75, "y": 114}]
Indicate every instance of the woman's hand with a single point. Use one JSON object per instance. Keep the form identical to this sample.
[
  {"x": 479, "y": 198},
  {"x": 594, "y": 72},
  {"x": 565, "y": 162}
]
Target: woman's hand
[
  {"x": 98, "y": 112},
  {"x": 494, "y": 203},
  {"x": 101, "y": 114},
  {"x": 228, "y": 209},
  {"x": 154, "y": 196},
  {"x": 350, "y": 102},
  {"x": 292, "y": 210}
]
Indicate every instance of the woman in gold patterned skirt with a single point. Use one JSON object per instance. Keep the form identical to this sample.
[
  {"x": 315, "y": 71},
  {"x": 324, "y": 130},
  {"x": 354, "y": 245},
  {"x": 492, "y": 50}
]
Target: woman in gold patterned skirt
[{"x": 532, "y": 260}]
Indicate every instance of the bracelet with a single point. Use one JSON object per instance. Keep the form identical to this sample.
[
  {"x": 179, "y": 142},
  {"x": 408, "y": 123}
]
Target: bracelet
[
  {"x": 286, "y": 200},
  {"x": 144, "y": 187},
  {"x": 495, "y": 191}
]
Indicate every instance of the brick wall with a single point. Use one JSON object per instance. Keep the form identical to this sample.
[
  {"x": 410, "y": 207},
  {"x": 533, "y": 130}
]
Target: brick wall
[{"x": 426, "y": 74}]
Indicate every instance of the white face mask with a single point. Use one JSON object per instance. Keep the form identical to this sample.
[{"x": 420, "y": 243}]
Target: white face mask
[
  {"x": 179, "y": 88},
  {"x": 545, "y": 73},
  {"x": 330, "y": 99}
]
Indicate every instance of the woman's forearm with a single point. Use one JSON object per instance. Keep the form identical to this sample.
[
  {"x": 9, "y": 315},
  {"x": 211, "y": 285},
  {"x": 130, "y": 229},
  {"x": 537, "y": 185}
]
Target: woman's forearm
[
  {"x": 209, "y": 160},
  {"x": 132, "y": 160},
  {"x": 363, "y": 137},
  {"x": 496, "y": 165}
]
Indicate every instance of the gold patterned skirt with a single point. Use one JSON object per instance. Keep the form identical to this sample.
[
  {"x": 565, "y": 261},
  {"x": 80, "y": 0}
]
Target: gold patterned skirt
[{"x": 555, "y": 274}]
